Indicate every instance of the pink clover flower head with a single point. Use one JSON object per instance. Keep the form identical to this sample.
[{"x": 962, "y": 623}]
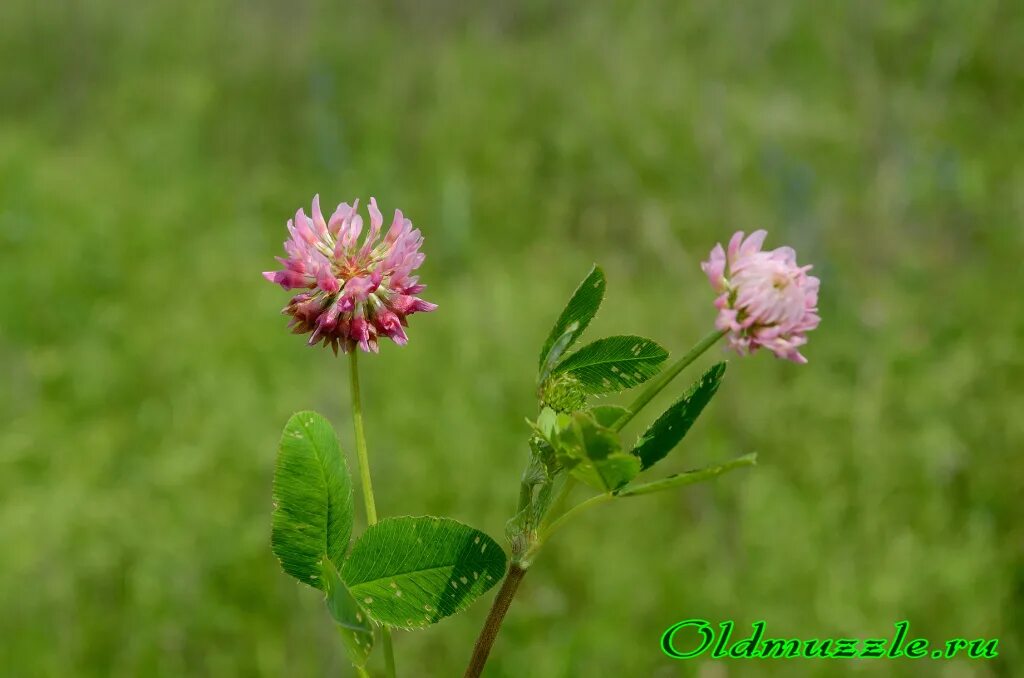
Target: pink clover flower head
[
  {"x": 765, "y": 298},
  {"x": 352, "y": 293}
]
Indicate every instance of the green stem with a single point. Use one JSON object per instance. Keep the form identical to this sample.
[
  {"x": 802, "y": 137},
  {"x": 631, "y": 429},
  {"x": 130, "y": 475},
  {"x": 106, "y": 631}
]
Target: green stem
[
  {"x": 389, "y": 651},
  {"x": 565, "y": 517},
  {"x": 688, "y": 478},
  {"x": 361, "y": 671},
  {"x": 525, "y": 495},
  {"x": 367, "y": 485},
  {"x": 559, "y": 503},
  {"x": 655, "y": 386},
  {"x": 361, "y": 456}
]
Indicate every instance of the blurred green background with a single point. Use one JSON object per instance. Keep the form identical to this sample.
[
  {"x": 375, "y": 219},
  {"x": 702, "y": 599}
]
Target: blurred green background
[{"x": 151, "y": 152}]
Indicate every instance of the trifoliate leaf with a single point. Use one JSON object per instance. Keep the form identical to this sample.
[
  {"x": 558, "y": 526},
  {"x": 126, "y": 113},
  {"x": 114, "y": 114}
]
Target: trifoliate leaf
[
  {"x": 312, "y": 495},
  {"x": 410, "y": 572}
]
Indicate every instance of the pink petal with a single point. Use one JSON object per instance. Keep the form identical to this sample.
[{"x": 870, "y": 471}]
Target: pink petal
[
  {"x": 318, "y": 218},
  {"x": 734, "y": 246},
  {"x": 753, "y": 243},
  {"x": 714, "y": 268}
]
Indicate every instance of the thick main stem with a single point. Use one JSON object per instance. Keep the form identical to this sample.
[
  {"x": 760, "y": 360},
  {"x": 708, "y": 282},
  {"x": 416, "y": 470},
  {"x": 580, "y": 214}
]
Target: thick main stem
[
  {"x": 364, "y": 476},
  {"x": 494, "y": 618}
]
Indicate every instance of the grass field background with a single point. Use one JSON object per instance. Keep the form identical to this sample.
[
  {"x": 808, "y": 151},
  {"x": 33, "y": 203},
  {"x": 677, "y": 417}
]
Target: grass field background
[{"x": 151, "y": 152}]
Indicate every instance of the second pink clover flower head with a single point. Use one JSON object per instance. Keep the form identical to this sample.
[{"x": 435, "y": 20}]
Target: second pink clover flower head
[
  {"x": 766, "y": 299},
  {"x": 353, "y": 292}
]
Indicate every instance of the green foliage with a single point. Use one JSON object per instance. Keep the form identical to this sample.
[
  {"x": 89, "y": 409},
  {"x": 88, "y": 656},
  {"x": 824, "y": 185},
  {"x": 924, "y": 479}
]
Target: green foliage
[
  {"x": 613, "y": 363},
  {"x": 688, "y": 478},
  {"x": 594, "y": 453},
  {"x": 312, "y": 494},
  {"x": 312, "y": 521},
  {"x": 608, "y": 415},
  {"x": 575, "y": 318},
  {"x": 410, "y": 572},
  {"x": 549, "y": 421},
  {"x": 670, "y": 428},
  {"x": 145, "y": 178},
  {"x": 354, "y": 625}
]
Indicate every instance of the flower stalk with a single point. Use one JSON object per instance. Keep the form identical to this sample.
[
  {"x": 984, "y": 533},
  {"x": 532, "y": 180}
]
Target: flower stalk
[
  {"x": 364, "y": 475},
  {"x": 656, "y": 385}
]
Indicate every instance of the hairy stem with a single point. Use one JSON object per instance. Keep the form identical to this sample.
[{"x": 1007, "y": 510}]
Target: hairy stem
[
  {"x": 367, "y": 485},
  {"x": 489, "y": 632},
  {"x": 655, "y": 386}
]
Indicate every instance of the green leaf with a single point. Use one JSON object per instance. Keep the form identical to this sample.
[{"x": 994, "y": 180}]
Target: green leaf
[
  {"x": 688, "y": 478},
  {"x": 547, "y": 422},
  {"x": 613, "y": 364},
  {"x": 608, "y": 415},
  {"x": 578, "y": 313},
  {"x": 665, "y": 433},
  {"x": 312, "y": 499},
  {"x": 594, "y": 454},
  {"x": 353, "y": 623},
  {"x": 410, "y": 572},
  {"x": 609, "y": 473}
]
